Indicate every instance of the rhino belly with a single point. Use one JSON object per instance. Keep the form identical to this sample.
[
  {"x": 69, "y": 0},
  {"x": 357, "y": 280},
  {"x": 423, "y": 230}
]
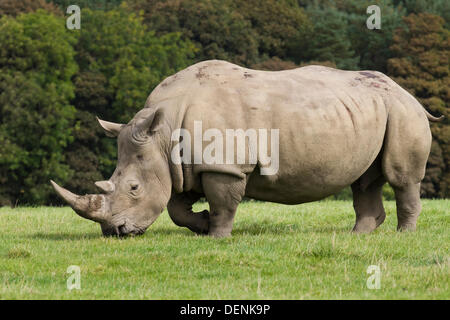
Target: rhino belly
[{"x": 312, "y": 169}]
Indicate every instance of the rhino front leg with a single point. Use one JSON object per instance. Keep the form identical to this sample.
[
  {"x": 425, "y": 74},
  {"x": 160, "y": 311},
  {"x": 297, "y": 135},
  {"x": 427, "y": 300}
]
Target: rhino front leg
[
  {"x": 224, "y": 193},
  {"x": 180, "y": 211}
]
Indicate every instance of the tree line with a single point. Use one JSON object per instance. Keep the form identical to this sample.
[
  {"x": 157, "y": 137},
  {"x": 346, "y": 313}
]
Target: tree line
[{"x": 55, "y": 81}]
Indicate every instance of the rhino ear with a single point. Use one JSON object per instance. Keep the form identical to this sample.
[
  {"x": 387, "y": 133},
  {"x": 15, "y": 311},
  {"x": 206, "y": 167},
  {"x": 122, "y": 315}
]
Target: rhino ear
[
  {"x": 147, "y": 125},
  {"x": 111, "y": 129}
]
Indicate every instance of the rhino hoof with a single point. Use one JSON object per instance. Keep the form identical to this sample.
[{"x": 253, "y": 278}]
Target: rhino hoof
[{"x": 202, "y": 224}]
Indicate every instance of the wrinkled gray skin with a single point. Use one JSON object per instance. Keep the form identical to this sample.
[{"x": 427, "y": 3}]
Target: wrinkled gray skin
[{"x": 337, "y": 128}]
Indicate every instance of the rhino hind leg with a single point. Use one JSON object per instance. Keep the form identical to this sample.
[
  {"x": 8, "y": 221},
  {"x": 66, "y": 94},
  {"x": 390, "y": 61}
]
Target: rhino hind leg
[
  {"x": 224, "y": 192},
  {"x": 368, "y": 205},
  {"x": 406, "y": 148},
  {"x": 180, "y": 211},
  {"x": 408, "y": 206}
]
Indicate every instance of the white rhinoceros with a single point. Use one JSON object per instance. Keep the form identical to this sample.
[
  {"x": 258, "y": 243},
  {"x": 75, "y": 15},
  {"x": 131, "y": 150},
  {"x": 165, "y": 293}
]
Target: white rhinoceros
[{"x": 333, "y": 129}]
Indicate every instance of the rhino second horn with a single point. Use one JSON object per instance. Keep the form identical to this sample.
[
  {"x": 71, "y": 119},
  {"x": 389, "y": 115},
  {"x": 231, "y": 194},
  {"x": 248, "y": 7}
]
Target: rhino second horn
[
  {"x": 80, "y": 204},
  {"x": 111, "y": 129},
  {"x": 106, "y": 186}
]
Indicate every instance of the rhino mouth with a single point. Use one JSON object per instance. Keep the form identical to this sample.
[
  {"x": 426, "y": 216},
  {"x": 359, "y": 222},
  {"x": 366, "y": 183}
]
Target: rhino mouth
[
  {"x": 125, "y": 230},
  {"x": 135, "y": 231},
  {"x": 121, "y": 231}
]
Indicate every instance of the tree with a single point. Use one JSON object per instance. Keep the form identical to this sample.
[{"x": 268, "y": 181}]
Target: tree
[
  {"x": 330, "y": 41},
  {"x": 437, "y": 7},
  {"x": 280, "y": 36},
  {"x": 372, "y": 46},
  {"x": 36, "y": 66},
  {"x": 341, "y": 35},
  {"x": 217, "y": 31},
  {"x": 421, "y": 65},
  {"x": 240, "y": 31},
  {"x": 88, "y": 4},
  {"x": 15, "y": 7}
]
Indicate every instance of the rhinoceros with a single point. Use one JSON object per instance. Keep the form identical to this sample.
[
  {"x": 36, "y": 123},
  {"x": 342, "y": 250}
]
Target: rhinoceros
[{"x": 335, "y": 129}]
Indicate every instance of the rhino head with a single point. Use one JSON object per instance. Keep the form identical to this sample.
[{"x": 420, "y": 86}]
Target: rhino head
[{"x": 140, "y": 187}]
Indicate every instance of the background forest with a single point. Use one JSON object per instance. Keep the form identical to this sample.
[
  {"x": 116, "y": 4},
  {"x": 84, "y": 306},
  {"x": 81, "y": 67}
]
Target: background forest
[{"x": 54, "y": 81}]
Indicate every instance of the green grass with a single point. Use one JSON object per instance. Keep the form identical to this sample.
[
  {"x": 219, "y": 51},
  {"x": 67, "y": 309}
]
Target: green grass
[{"x": 276, "y": 252}]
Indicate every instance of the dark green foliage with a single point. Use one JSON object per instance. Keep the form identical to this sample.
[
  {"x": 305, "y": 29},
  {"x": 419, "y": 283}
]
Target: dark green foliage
[
  {"x": 120, "y": 61},
  {"x": 341, "y": 34},
  {"x": 35, "y": 113},
  {"x": 240, "y": 31},
  {"x": 218, "y": 31},
  {"x": 84, "y": 4},
  {"x": 372, "y": 46},
  {"x": 435, "y": 171},
  {"x": 437, "y": 7},
  {"x": 330, "y": 41},
  {"x": 275, "y": 37}
]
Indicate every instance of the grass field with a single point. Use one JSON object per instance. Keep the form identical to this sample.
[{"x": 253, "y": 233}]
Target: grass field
[{"x": 276, "y": 252}]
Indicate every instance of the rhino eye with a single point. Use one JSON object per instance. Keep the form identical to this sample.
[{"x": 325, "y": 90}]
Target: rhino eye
[{"x": 134, "y": 187}]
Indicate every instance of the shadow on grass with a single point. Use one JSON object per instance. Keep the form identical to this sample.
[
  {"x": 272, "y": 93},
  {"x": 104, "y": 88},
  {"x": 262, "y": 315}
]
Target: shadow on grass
[
  {"x": 65, "y": 236},
  {"x": 277, "y": 229},
  {"x": 170, "y": 231},
  {"x": 258, "y": 229},
  {"x": 253, "y": 229},
  {"x": 95, "y": 235}
]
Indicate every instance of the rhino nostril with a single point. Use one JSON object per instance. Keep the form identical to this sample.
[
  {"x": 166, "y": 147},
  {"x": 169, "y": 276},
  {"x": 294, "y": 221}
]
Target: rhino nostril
[{"x": 123, "y": 230}]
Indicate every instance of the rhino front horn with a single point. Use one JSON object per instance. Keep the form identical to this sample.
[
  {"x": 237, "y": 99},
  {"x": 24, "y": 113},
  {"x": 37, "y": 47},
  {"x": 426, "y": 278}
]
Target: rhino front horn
[{"x": 90, "y": 206}]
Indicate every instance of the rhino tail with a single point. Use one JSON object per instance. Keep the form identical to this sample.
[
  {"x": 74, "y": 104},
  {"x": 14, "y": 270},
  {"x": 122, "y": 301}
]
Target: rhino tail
[{"x": 433, "y": 118}]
